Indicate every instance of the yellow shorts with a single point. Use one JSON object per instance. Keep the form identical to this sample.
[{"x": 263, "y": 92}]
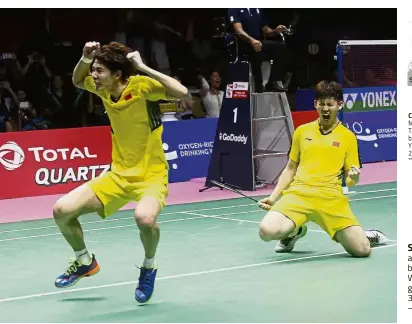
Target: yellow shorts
[
  {"x": 115, "y": 191},
  {"x": 331, "y": 212}
]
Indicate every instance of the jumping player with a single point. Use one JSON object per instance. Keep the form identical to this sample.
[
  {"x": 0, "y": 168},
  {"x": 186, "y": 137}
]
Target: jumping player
[
  {"x": 139, "y": 170},
  {"x": 310, "y": 187}
]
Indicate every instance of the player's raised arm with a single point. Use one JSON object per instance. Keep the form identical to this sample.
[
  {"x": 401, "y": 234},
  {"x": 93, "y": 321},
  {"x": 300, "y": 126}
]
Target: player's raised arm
[
  {"x": 81, "y": 71},
  {"x": 173, "y": 87}
]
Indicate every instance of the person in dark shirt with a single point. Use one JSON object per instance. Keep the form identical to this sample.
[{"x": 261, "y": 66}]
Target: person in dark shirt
[{"x": 249, "y": 24}]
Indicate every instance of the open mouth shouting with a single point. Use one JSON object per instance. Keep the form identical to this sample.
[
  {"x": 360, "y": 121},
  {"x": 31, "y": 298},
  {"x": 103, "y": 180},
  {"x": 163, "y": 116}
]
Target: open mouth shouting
[{"x": 326, "y": 117}]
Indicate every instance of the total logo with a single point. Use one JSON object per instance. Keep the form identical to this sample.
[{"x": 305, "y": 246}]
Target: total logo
[
  {"x": 233, "y": 138},
  {"x": 11, "y": 156}
]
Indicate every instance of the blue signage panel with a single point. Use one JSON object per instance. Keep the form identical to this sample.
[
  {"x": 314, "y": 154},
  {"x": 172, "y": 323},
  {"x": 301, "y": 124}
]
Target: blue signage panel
[
  {"x": 376, "y": 132},
  {"x": 188, "y": 146}
]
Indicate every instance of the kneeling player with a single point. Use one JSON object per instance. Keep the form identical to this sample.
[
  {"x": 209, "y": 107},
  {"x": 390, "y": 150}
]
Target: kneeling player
[{"x": 310, "y": 186}]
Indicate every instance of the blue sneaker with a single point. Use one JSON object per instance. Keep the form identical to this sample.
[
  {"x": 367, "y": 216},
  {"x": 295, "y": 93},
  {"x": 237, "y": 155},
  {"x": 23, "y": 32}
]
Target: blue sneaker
[
  {"x": 75, "y": 272},
  {"x": 145, "y": 288}
]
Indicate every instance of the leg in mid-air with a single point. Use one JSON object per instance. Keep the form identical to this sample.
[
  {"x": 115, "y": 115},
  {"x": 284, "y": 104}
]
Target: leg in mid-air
[
  {"x": 151, "y": 200},
  {"x": 102, "y": 195},
  {"x": 66, "y": 212}
]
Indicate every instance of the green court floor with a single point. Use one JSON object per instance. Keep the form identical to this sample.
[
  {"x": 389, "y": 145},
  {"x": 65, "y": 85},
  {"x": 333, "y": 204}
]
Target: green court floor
[{"x": 213, "y": 267}]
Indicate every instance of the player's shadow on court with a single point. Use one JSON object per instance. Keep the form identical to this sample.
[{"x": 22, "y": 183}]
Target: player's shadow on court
[{"x": 83, "y": 299}]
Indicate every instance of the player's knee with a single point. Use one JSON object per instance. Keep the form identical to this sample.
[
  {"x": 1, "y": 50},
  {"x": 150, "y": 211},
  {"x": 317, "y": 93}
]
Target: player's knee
[
  {"x": 145, "y": 220},
  {"x": 268, "y": 233},
  {"x": 61, "y": 211},
  {"x": 361, "y": 250}
]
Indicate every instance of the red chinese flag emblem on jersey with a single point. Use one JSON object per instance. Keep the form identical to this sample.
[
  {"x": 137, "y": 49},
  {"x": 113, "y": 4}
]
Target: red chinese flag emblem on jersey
[
  {"x": 128, "y": 97},
  {"x": 336, "y": 144}
]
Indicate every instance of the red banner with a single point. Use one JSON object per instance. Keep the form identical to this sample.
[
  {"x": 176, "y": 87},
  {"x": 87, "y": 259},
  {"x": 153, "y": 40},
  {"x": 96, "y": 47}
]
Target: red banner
[
  {"x": 303, "y": 117},
  {"x": 52, "y": 162}
]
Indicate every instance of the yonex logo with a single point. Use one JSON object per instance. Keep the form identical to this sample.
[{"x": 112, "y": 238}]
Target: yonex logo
[
  {"x": 170, "y": 156},
  {"x": 349, "y": 99},
  {"x": 11, "y": 156}
]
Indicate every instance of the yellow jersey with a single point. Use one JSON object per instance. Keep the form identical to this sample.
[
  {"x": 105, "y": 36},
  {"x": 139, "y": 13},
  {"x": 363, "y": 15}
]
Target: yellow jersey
[
  {"x": 136, "y": 126},
  {"x": 323, "y": 157}
]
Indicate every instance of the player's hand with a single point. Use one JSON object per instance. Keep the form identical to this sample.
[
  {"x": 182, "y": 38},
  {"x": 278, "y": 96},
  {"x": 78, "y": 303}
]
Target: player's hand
[
  {"x": 280, "y": 29},
  {"x": 354, "y": 173},
  {"x": 257, "y": 45},
  {"x": 90, "y": 48},
  {"x": 266, "y": 203},
  {"x": 136, "y": 59}
]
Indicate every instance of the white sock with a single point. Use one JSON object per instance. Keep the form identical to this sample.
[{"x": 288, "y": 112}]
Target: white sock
[
  {"x": 149, "y": 263},
  {"x": 83, "y": 257}
]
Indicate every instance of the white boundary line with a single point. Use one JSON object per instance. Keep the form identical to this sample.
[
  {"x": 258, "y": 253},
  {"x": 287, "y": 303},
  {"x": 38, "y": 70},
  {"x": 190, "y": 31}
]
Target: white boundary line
[
  {"x": 248, "y": 221},
  {"x": 97, "y": 229},
  {"x": 371, "y": 198},
  {"x": 373, "y": 191},
  {"x": 195, "y": 210},
  {"x": 173, "y": 220},
  {"x": 184, "y": 275}
]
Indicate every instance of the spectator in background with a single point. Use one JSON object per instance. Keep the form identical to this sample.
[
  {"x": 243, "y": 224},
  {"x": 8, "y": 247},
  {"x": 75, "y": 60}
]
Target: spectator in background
[
  {"x": 10, "y": 102},
  {"x": 211, "y": 95},
  {"x": 185, "y": 104},
  {"x": 60, "y": 103},
  {"x": 37, "y": 78},
  {"x": 5, "y": 116},
  {"x": 28, "y": 116}
]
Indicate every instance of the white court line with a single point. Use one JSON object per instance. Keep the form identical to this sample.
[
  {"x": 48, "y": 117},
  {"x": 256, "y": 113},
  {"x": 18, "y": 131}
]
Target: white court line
[
  {"x": 184, "y": 275},
  {"x": 123, "y": 218},
  {"x": 195, "y": 210},
  {"x": 96, "y": 229},
  {"x": 168, "y": 221},
  {"x": 370, "y": 198},
  {"x": 373, "y": 191},
  {"x": 248, "y": 221}
]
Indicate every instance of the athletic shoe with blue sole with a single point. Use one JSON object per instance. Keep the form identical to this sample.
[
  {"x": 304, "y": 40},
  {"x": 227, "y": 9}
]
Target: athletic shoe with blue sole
[
  {"x": 145, "y": 288},
  {"x": 75, "y": 272}
]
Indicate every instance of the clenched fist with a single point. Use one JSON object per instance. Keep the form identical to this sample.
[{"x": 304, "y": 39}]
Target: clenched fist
[
  {"x": 266, "y": 203},
  {"x": 90, "y": 48},
  {"x": 136, "y": 59}
]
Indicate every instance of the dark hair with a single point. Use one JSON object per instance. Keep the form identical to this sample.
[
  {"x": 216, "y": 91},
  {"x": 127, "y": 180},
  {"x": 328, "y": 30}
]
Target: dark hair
[
  {"x": 325, "y": 90},
  {"x": 114, "y": 57}
]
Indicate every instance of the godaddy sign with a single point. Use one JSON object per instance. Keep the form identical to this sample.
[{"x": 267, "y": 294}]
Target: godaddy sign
[{"x": 372, "y": 98}]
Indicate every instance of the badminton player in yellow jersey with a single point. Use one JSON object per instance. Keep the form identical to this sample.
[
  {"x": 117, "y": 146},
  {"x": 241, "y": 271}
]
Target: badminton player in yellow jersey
[
  {"x": 310, "y": 187},
  {"x": 139, "y": 170}
]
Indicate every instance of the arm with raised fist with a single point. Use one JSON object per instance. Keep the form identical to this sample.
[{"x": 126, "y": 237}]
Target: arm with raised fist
[{"x": 81, "y": 71}]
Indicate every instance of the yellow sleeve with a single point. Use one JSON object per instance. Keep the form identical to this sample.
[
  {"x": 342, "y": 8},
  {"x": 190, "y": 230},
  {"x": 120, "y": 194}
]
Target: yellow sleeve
[
  {"x": 294, "y": 153},
  {"x": 153, "y": 90},
  {"x": 89, "y": 85},
  {"x": 352, "y": 154}
]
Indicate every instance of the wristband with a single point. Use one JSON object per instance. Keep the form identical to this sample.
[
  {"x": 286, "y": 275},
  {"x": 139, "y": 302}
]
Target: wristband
[{"x": 86, "y": 60}]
